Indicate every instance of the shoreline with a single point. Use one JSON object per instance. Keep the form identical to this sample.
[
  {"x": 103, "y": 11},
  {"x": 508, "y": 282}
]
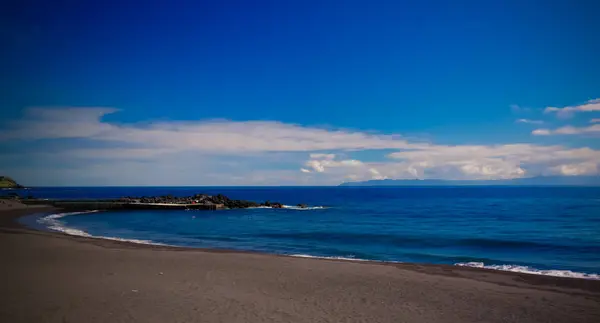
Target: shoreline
[
  {"x": 133, "y": 243},
  {"x": 518, "y": 269},
  {"x": 55, "y": 277}
]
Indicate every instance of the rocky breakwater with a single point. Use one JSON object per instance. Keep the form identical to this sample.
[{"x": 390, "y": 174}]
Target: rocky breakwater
[
  {"x": 220, "y": 201},
  {"x": 167, "y": 202}
]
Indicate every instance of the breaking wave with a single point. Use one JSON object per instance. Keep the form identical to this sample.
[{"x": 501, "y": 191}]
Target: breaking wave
[
  {"x": 531, "y": 270},
  {"x": 292, "y": 207},
  {"x": 52, "y": 223},
  {"x": 332, "y": 257},
  {"x": 511, "y": 268}
]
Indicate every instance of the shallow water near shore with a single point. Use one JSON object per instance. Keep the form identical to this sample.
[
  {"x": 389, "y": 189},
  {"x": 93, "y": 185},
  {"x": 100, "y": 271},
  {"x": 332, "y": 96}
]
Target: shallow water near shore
[{"x": 544, "y": 230}]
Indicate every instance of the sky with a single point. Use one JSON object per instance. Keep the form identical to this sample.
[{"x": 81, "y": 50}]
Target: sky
[{"x": 297, "y": 92}]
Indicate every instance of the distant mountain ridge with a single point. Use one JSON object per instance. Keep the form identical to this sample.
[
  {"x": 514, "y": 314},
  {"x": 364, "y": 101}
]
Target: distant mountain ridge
[{"x": 529, "y": 181}]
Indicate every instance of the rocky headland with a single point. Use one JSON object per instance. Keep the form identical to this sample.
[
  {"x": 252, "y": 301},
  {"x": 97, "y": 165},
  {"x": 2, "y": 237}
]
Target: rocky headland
[{"x": 9, "y": 183}]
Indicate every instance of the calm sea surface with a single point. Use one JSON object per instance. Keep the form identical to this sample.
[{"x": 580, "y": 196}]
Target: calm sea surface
[{"x": 547, "y": 230}]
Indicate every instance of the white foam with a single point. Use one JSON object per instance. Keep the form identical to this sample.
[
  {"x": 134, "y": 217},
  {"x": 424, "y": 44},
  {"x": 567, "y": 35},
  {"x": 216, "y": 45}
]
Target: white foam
[
  {"x": 333, "y": 257},
  {"x": 351, "y": 258},
  {"x": 530, "y": 270},
  {"x": 52, "y": 223},
  {"x": 513, "y": 268},
  {"x": 62, "y": 215},
  {"x": 292, "y": 207}
]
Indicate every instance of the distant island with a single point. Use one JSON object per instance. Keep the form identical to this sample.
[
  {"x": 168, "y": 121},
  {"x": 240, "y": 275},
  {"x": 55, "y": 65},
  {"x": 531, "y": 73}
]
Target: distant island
[
  {"x": 7, "y": 182},
  {"x": 529, "y": 181}
]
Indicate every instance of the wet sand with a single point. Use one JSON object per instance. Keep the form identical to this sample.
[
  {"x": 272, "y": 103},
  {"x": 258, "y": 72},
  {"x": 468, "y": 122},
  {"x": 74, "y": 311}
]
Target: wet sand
[{"x": 51, "y": 277}]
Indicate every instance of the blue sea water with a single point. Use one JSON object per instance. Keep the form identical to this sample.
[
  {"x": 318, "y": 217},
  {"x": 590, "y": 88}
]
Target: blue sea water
[{"x": 546, "y": 230}]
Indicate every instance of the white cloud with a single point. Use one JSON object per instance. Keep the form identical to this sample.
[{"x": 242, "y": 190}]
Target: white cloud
[
  {"x": 316, "y": 165},
  {"x": 375, "y": 174},
  {"x": 210, "y": 136},
  {"x": 586, "y": 168},
  {"x": 477, "y": 162},
  {"x": 323, "y": 156},
  {"x": 489, "y": 169},
  {"x": 529, "y": 121},
  {"x": 541, "y": 132},
  {"x": 117, "y": 153},
  {"x": 595, "y": 120},
  {"x": 199, "y": 152},
  {"x": 343, "y": 170},
  {"x": 569, "y": 130},
  {"x": 320, "y": 162},
  {"x": 589, "y": 106},
  {"x": 471, "y": 162},
  {"x": 56, "y": 123},
  {"x": 490, "y": 162}
]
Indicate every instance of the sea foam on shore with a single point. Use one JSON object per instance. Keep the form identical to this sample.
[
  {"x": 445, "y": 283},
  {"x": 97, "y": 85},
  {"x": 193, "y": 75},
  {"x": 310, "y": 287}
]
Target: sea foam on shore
[
  {"x": 511, "y": 268},
  {"x": 307, "y": 208},
  {"x": 51, "y": 222},
  {"x": 530, "y": 270}
]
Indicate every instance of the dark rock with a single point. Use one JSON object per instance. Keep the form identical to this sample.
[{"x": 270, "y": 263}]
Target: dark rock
[{"x": 201, "y": 199}]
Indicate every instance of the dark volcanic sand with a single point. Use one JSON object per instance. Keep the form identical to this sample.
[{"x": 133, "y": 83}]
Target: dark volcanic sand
[{"x": 50, "y": 277}]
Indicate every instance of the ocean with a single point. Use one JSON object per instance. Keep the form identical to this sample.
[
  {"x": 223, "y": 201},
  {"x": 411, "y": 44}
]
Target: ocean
[{"x": 541, "y": 230}]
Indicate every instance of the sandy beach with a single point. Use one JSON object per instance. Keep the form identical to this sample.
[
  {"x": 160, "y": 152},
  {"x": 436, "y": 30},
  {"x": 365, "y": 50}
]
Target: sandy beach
[{"x": 51, "y": 277}]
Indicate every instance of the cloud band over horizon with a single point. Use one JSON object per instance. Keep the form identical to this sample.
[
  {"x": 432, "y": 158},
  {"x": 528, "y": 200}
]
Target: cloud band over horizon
[{"x": 266, "y": 153}]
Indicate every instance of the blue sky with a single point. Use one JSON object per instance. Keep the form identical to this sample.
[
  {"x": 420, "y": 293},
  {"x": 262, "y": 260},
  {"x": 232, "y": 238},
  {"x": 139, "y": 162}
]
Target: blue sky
[{"x": 297, "y": 92}]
